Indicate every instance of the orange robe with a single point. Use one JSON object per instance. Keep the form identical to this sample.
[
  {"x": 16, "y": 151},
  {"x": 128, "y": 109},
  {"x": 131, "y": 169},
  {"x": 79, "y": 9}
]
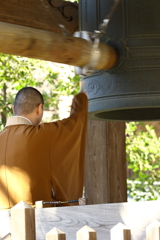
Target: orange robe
[{"x": 36, "y": 159}]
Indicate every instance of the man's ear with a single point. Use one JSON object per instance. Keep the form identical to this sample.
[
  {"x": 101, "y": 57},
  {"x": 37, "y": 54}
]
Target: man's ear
[
  {"x": 13, "y": 109},
  {"x": 39, "y": 109}
]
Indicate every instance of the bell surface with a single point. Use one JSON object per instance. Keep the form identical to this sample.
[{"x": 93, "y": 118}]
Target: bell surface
[{"x": 130, "y": 91}]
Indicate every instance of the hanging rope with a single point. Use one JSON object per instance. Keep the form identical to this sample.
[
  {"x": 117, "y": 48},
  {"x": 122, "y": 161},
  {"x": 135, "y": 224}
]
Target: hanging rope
[
  {"x": 59, "y": 202},
  {"x": 40, "y": 204}
]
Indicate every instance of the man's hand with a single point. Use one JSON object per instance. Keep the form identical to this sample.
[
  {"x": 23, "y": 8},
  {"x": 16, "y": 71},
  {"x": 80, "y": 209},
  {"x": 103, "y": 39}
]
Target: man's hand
[{"x": 82, "y": 86}]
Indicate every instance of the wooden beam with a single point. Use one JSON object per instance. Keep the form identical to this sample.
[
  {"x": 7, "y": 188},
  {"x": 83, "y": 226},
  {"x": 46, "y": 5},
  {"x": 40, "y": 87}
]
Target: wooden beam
[
  {"x": 106, "y": 163},
  {"x": 40, "y": 14},
  {"x": 35, "y": 43}
]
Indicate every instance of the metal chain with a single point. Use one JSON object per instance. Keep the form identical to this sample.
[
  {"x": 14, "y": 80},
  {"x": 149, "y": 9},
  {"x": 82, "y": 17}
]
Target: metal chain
[{"x": 103, "y": 26}]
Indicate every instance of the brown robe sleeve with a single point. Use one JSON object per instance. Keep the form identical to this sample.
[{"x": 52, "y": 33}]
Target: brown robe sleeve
[{"x": 67, "y": 151}]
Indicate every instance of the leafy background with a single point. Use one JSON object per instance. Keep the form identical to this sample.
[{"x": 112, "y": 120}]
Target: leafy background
[
  {"x": 143, "y": 157},
  {"x": 17, "y": 72},
  {"x": 54, "y": 81}
]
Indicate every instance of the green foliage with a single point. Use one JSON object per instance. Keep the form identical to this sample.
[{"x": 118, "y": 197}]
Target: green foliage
[
  {"x": 143, "y": 158},
  {"x": 57, "y": 87},
  {"x": 142, "y": 147},
  {"x": 17, "y": 72}
]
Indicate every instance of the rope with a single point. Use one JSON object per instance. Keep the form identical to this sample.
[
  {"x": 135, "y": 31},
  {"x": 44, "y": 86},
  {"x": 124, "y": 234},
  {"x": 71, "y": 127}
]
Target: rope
[{"x": 59, "y": 202}]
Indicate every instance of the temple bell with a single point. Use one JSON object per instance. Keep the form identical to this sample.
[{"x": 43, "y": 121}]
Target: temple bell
[{"x": 130, "y": 91}]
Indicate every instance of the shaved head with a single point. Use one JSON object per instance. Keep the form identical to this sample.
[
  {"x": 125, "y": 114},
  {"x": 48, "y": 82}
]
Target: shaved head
[{"x": 27, "y": 99}]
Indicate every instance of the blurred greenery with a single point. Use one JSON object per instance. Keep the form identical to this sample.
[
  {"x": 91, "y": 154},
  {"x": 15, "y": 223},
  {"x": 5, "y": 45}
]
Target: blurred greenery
[
  {"x": 17, "y": 72},
  {"x": 142, "y": 148}
]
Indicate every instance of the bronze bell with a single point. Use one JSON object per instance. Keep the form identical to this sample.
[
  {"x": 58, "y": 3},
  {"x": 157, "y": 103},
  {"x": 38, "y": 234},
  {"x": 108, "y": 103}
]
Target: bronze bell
[{"x": 130, "y": 91}]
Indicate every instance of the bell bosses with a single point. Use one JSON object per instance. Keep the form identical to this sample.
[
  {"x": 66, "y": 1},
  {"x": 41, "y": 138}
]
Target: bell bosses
[{"x": 42, "y": 161}]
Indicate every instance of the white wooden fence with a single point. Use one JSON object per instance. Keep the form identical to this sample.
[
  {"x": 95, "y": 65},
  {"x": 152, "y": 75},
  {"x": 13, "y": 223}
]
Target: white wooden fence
[{"x": 120, "y": 221}]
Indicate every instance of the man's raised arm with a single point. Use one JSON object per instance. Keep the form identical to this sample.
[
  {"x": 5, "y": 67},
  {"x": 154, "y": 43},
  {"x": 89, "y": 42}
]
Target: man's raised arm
[{"x": 80, "y": 106}]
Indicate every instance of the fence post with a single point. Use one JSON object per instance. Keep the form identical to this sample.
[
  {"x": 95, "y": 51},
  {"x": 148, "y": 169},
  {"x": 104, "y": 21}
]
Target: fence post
[
  {"x": 7, "y": 237},
  {"x": 120, "y": 232},
  {"x": 23, "y": 222},
  {"x": 55, "y": 234},
  {"x": 153, "y": 231},
  {"x": 86, "y": 233}
]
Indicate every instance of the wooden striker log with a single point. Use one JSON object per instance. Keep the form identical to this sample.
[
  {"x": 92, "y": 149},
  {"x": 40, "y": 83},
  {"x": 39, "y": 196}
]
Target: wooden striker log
[{"x": 44, "y": 45}]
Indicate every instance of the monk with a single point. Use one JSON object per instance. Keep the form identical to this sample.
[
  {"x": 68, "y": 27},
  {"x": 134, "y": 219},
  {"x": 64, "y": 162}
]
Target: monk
[{"x": 42, "y": 161}]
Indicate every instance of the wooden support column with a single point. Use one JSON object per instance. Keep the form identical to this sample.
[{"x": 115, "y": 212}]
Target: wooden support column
[{"x": 105, "y": 163}]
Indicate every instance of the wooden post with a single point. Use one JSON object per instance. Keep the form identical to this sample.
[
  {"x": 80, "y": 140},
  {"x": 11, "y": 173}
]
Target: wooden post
[
  {"x": 106, "y": 163},
  {"x": 120, "y": 232},
  {"x": 23, "y": 222},
  {"x": 39, "y": 204},
  {"x": 86, "y": 233},
  {"x": 39, "y": 44},
  {"x": 55, "y": 234},
  {"x": 7, "y": 237},
  {"x": 153, "y": 231}
]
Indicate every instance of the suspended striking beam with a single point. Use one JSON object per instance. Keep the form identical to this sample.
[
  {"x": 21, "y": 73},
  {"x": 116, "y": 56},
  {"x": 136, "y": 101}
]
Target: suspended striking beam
[{"x": 44, "y": 45}]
